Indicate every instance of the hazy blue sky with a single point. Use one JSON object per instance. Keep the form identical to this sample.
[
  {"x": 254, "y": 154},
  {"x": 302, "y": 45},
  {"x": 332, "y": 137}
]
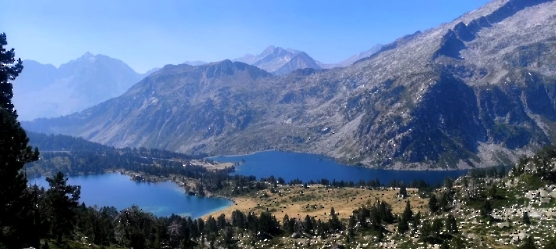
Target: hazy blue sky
[{"x": 147, "y": 34}]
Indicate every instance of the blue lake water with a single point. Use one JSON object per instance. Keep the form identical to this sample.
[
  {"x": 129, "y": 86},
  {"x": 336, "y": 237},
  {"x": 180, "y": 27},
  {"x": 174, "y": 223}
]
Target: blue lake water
[
  {"x": 166, "y": 198},
  {"x": 306, "y": 167},
  {"x": 161, "y": 199}
]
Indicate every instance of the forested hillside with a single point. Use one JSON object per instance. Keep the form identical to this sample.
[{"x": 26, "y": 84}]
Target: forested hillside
[{"x": 75, "y": 156}]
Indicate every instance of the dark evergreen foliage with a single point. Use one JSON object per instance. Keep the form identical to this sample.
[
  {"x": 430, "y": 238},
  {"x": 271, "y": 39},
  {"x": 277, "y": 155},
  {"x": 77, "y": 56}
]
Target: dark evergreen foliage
[
  {"x": 433, "y": 204},
  {"x": 403, "y": 226},
  {"x": 486, "y": 208},
  {"x": 15, "y": 202},
  {"x": 61, "y": 199},
  {"x": 526, "y": 219},
  {"x": 407, "y": 213},
  {"x": 403, "y": 191},
  {"x": 528, "y": 244},
  {"x": 451, "y": 224},
  {"x": 10, "y": 68}
]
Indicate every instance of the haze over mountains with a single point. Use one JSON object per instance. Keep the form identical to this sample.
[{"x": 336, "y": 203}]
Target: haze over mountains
[
  {"x": 474, "y": 92},
  {"x": 91, "y": 79},
  {"x": 354, "y": 58},
  {"x": 42, "y": 90},
  {"x": 282, "y": 61}
]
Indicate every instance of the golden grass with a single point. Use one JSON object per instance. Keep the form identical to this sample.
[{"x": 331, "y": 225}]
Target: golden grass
[
  {"x": 210, "y": 166},
  {"x": 317, "y": 200}
]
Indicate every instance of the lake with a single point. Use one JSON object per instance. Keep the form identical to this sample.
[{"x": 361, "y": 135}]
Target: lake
[
  {"x": 161, "y": 199},
  {"x": 166, "y": 198},
  {"x": 306, "y": 167}
]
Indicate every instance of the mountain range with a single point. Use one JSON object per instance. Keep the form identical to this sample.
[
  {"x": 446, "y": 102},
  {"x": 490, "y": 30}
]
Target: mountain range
[
  {"x": 282, "y": 61},
  {"x": 475, "y": 92},
  {"x": 72, "y": 87},
  {"x": 91, "y": 79}
]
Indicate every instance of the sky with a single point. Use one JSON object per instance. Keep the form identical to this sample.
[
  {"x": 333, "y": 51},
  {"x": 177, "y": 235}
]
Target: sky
[{"x": 148, "y": 34}]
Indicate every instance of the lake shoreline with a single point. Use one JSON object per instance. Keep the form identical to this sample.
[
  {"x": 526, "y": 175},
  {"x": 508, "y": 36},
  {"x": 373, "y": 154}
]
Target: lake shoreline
[
  {"x": 188, "y": 181},
  {"x": 395, "y": 167},
  {"x": 312, "y": 167},
  {"x": 162, "y": 198}
]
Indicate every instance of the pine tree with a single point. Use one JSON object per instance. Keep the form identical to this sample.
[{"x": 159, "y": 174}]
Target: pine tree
[
  {"x": 287, "y": 224},
  {"x": 407, "y": 213},
  {"x": 403, "y": 191},
  {"x": 493, "y": 191},
  {"x": 436, "y": 227},
  {"x": 551, "y": 243},
  {"x": 14, "y": 153},
  {"x": 334, "y": 223},
  {"x": 403, "y": 226},
  {"x": 308, "y": 224},
  {"x": 451, "y": 224},
  {"x": 445, "y": 245},
  {"x": 526, "y": 219},
  {"x": 228, "y": 236},
  {"x": 486, "y": 208},
  {"x": 433, "y": 204},
  {"x": 351, "y": 225},
  {"x": 529, "y": 244},
  {"x": 321, "y": 228},
  {"x": 211, "y": 226},
  {"x": 62, "y": 200},
  {"x": 426, "y": 230},
  {"x": 221, "y": 221},
  {"x": 416, "y": 220},
  {"x": 9, "y": 70}
]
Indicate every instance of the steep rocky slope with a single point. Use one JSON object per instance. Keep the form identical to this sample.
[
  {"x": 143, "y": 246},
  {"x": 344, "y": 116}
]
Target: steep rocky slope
[{"x": 475, "y": 92}]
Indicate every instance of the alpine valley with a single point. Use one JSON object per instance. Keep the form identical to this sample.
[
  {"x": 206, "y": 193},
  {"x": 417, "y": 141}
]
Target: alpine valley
[{"x": 475, "y": 92}]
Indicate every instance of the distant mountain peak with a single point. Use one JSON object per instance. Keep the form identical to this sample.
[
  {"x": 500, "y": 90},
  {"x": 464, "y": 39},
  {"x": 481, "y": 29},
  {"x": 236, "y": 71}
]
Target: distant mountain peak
[
  {"x": 87, "y": 55},
  {"x": 275, "y": 59},
  {"x": 74, "y": 86},
  {"x": 195, "y": 63},
  {"x": 269, "y": 49}
]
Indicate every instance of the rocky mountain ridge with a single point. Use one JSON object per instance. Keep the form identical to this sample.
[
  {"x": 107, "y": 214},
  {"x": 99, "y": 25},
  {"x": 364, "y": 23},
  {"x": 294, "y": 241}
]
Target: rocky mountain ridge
[
  {"x": 475, "y": 92},
  {"x": 356, "y": 57}
]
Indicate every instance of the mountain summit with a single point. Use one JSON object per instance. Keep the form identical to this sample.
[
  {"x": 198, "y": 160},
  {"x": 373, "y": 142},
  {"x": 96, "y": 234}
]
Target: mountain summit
[
  {"x": 72, "y": 87},
  {"x": 475, "y": 92},
  {"x": 280, "y": 61}
]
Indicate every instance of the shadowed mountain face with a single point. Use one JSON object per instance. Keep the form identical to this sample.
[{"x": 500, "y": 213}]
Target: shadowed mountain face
[
  {"x": 475, "y": 92},
  {"x": 280, "y": 61},
  {"x": 74, "y": 86}
]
